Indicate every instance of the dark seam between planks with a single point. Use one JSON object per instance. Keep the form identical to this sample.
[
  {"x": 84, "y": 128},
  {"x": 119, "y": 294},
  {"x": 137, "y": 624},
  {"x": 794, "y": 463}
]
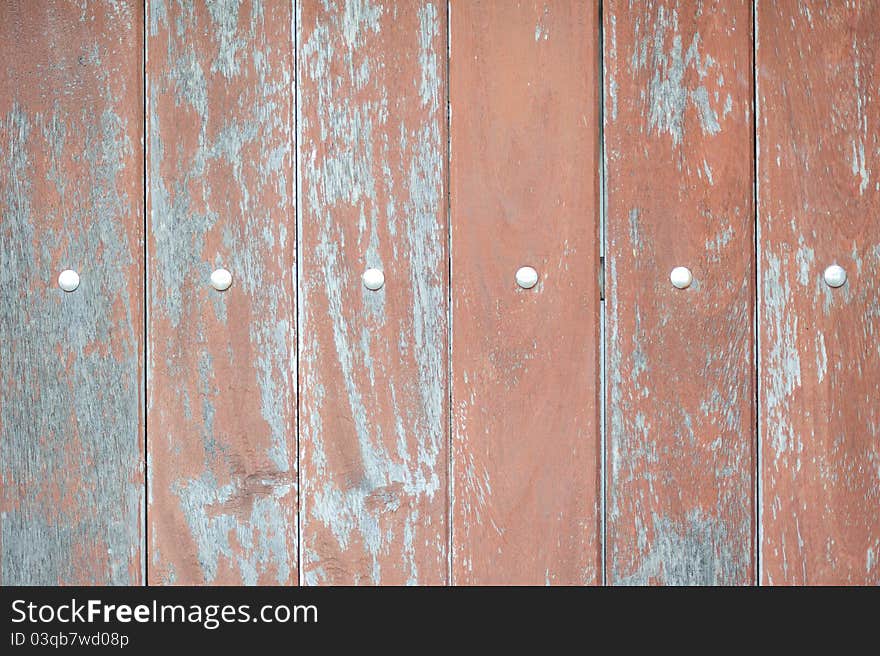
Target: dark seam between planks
[
  {"x": 448, "y": 181},
  {"x": 756, "y": 315},
  {"x": 294, "y": 24},
  {"x": 146, "y": 404},
  {"x": 603, "y": 295}
]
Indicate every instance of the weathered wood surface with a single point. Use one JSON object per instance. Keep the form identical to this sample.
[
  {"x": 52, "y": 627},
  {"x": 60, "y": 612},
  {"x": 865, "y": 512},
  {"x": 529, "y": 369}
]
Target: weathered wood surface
[
  {"x": 818, "y": 82},
  {"x": 372, "y": 149},
  {"x": 680, "y": 363},
  {"x": 71, "y": 364},
  {"x": 525, "y": 491},
  {"x": 221, "y": 386},
  {"x": 383, "y": 499}
]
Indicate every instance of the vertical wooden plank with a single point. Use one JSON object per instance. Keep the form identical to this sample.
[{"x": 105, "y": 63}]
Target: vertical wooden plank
[
  {"x": 819, "y": 197},
  {"x": 372, "y": 141},
  {"x": 525, "y": 388},
  {"x": 71, "y": 196},
  {"x": 680, "y": 364},
  {"x": 221, "y": 416}
]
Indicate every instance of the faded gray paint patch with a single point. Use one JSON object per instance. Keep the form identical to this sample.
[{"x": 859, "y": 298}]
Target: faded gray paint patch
[
  {"x": 716, "y": 244},
  {"x": 541, "y": 30},
  {"x": 635, "y": 235},
  {"x": 611, "y": 66},
  {"x": 805, "y": 257},
  {"x": 671, "y": 89},
  {"x": 225, "y": 19},
  {"x": 782, "y": 359},
  {"x": 245, "y": 511},
  {"x": 862, "y": 89},
  {"x": 616, "y": 391},
  {"x": 821, "y": 357},
  {"x": 698, "y": 551}
]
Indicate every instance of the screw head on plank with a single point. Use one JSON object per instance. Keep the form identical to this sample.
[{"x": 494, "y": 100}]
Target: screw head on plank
[
  {"x": 681, "y": 277},
  {"x": 373, "y": 279},
  {"x": 526, "y": 277},
  {"x": 68, "y": 280},
  {"x": 221, "y": 280},
  {"x": 835, "y": 276}
]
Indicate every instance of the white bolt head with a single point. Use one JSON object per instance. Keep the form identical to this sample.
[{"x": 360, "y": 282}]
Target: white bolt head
[
  {"x": 68, "y": 280},
  {"x": 681, "y": 277},
  {"x": 835, "y": 276},
  {"x": 373, "y": 279},
  {"x": 221, "y": 280},
  {"x": 526, "y": 277}
]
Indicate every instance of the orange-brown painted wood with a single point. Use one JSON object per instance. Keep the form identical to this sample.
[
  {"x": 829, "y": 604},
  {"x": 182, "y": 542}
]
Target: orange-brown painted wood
[
  {"x": 818, "y": 67},
  {"x": 221, "y": 386},
  {"x": 524, "y": 98},
  {"x": 680, "y": 362},
  {"x": 71, "y": 364},
  {"x": 371, "y": 85}
]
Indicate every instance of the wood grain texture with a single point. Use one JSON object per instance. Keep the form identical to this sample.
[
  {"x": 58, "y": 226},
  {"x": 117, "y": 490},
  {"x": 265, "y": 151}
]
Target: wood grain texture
[
  {"x": 524, "y": 95},
  {"x": 371, "y": 87},
  {"x": 680, "y": 363},
  {"x": 71, "y": 364},
  {"x": 221, "y": 416},
  {"x": 818, "y": 82}
]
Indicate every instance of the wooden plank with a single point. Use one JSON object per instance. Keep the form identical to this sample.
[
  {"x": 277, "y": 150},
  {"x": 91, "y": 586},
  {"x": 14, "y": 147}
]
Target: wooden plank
[
  {"x": 221, "y": 417},
  {"x": 680, "y": 363},
  {"x": 819, "y": 198},
  {"x": 71, "y": 196},
  {"x": 524, "y": 100},
  {"x": 371, "y": 85}
]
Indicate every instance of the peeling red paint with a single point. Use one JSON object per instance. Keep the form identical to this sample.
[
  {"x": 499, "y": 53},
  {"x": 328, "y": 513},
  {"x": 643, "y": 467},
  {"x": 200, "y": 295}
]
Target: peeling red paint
[
  {"x": 680, "y": 402},
  {"x": 818, "y": 173},
  {"x": 222, "y": 383}
]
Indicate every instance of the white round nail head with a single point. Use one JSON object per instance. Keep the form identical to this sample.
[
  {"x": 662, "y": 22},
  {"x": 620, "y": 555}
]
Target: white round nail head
[
  {"x": 526, "y": 277},
  {"x": 835, "y": 276},
  {"x": 681, "y": 277},
  {"x": 373, "y": 279},
  {"x": 68, "y": 280},
  {"x": 221, "y": 280}
]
